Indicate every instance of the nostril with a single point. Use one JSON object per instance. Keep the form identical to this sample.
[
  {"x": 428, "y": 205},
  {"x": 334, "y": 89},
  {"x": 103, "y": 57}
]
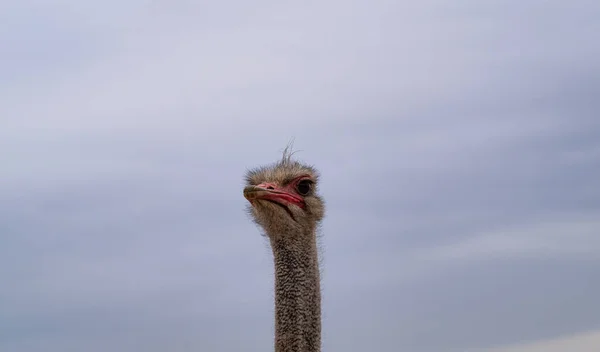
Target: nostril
[{"x": 267, "y": 185}]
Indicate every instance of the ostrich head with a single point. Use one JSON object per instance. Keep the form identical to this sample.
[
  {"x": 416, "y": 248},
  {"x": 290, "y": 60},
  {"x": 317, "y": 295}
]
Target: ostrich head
[{"x": 283, "y": 197}]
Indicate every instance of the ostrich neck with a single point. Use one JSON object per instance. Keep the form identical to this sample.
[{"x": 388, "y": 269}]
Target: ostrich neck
[{"x": 297, "y": 293}]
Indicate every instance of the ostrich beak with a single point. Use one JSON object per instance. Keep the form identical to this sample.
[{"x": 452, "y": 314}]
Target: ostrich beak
[{"x": 261, "y": 192}]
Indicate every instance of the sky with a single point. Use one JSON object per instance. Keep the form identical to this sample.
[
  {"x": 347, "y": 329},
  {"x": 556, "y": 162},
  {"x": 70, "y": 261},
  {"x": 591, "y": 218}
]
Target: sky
[{"x": 458, "y": 142}]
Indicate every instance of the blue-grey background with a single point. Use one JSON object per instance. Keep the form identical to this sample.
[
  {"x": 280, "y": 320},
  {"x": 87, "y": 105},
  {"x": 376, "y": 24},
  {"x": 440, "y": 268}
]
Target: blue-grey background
[{"x": 459, "y": 144}]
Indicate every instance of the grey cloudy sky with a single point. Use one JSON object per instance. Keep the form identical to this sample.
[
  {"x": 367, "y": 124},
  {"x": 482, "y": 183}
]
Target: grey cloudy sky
[{"x": 459, "y": 143}]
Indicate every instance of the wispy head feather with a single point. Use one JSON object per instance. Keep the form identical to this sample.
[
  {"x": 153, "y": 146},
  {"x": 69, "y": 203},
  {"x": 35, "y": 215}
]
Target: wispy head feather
[
  {"x": 284, "y": 170},
  {"x": 288, "y": 153}
]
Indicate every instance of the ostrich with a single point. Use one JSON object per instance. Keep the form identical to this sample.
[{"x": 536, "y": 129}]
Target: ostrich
[{"x": 285, "y": 204}]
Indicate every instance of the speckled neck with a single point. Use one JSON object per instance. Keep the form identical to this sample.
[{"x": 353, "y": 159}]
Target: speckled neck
[{"x": 297, "y": 293}]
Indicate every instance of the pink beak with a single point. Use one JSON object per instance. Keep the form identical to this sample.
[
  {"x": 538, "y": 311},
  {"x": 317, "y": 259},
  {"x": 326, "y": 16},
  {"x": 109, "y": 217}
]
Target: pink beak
[{"x": 268, "y": 191}]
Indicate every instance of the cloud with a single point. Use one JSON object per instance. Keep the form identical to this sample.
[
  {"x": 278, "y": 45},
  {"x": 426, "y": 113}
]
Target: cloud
[
  {"x": 580, "y": 342},
  {"x": 551, "y": 237}
]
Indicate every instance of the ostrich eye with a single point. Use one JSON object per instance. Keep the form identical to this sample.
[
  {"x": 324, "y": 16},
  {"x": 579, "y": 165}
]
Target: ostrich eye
[{"x": 304, "y": 187}]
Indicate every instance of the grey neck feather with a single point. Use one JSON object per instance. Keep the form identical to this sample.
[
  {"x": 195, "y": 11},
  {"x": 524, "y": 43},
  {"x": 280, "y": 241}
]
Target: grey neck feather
[{"x": 297, "y": 293}]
